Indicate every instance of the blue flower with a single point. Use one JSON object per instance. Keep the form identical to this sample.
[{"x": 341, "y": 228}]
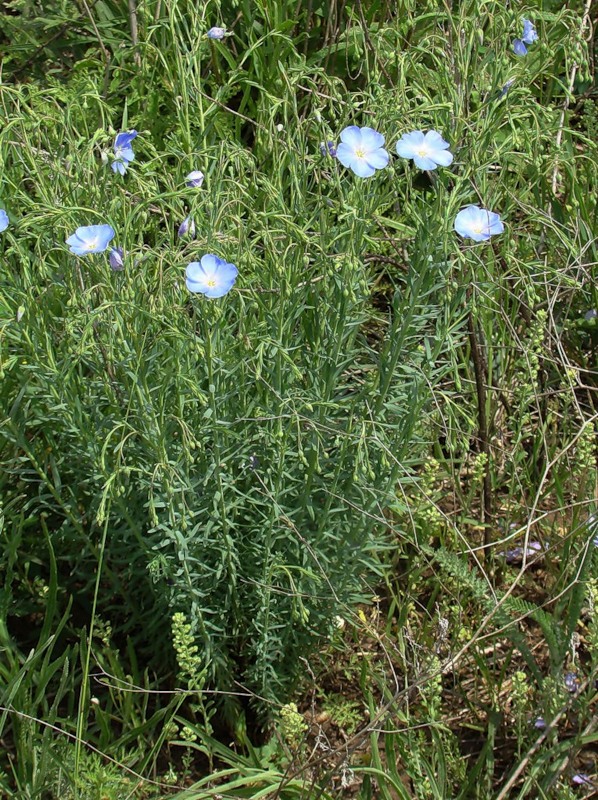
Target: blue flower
[
  {"x": 519, "y": 48},
  {"x": 186, "y": 226},
  {"x": 428, "y": 150},
  {"x": 116, "y": 259},
  {"x": 90, "y": 239},
  {"x": 123, "y": 152},
  {"x": 212, "y": 276},
  {"x": 194, "y": 179},
  {"x": 588, "y": 316},
  {"x": 362, "y": 150},
  {"x": 529, "y": 36},
  {"x": 216, "y": 33},
  {"x": 477, "y": 223},
  {"x": 3, "y": 220}
]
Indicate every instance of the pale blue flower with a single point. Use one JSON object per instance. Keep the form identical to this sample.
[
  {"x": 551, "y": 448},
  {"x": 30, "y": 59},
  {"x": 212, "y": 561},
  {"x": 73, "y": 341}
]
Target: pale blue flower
[
  {"x": 212, "y": 276},
  {"x": 186, "y": 226},
  {"x": 216, "y": 33},
  {"x": 90, "y": 239},
  {"x": 519, "y": 48},
  {"x": 194, "y": 179},
  {"x": 477, "y": 223},
  {"x": 428, "y": 150},
  {"x": 588, "y": 316},
  {"x": 123, "y": 152},
  {"x": 116, "y": 259},
  {"x": 529, "y": 36},
  {"x": 362, "y": 151},
  {"x": 3, "y": 220}
]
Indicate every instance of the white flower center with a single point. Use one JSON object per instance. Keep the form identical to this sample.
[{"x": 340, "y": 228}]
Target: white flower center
[
  {"x": 212, "y": 282},
  {"x": 91, "y": 244},
  {"x": 423, "y": 151},
  {"x": 360, "y": 152}
]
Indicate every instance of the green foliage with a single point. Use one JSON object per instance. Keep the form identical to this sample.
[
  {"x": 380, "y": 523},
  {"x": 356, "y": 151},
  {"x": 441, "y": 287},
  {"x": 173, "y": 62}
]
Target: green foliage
[{"x": 191, "y": 490}]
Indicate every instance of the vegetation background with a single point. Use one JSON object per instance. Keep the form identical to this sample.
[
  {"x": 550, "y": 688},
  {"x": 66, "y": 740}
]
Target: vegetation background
[{"x": 333, "y": 535}]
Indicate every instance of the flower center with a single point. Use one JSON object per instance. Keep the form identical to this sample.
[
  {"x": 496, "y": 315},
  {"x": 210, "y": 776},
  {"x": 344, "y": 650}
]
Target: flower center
[
  {"x": 360, "y": 152},
  {"x": 211, "y": 282},
  {"x": 479, "y": 227},
  {"x": 92, "y": 244}
]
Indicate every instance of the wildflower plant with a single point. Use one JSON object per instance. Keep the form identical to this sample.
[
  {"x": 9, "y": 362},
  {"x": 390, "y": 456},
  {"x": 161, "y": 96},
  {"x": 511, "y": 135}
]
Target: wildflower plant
[{"x": 235, "y": 461}]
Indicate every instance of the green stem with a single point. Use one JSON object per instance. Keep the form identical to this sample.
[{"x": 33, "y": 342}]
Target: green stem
[{"x": 83, "y": 695}]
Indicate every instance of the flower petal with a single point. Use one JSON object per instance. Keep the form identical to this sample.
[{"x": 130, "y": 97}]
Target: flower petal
[
  {"x": 345, "y": 154},
  {"x": 377, "y": 158},
  {"x": 361, "y": 168},
  {"x": 351, "y": 136},
  {"x": 371, "y": 139},
  {"x": 529, "y": 35},
  {"x": 424, "y": 162},
  {"x": 414, "y": 137},
  {"x": 435, "y": 141},
  {"x": 3, "y": 220},
  {"x": 210, "y": 262},
  {"x": 519, "y": 48},
  {"x": 124, "y": 139},
  {"x": 119, "y": 166},
  {"x": 405, "y": 148},
  {"x": 124, "y": 153},
  {"x": 195, "y": 272},
  {"x": 442, "y": 157}
]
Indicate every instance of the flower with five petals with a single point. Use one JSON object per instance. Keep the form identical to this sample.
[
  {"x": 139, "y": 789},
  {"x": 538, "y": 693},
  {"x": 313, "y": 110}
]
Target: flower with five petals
[
  {"x": 361, "y": 150},
  {"x": 212, "y": 276},
  {"x": 428, "y": 150},
  {"x": 477, "y": 223}
]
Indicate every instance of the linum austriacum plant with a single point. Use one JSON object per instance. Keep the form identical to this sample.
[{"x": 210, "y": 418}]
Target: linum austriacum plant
[
  {"x": 361, "y": 150},
  {"x": 152, "y": 329}
]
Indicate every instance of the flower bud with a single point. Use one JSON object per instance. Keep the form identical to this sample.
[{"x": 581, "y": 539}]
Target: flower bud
[
  {"x": 186, "y": 226},
  {"x": 194, "y": 179},
  {"x": 116, "y": 259}
]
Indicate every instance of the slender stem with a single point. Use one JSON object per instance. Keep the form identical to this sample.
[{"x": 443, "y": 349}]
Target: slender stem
[
  {"x": 479, "y": 369},
  {"x": 83, "y": 695}
]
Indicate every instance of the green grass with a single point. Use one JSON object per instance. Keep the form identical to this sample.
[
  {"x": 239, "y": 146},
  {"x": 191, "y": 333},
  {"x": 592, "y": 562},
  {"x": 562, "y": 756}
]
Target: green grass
[{"x": 194, "y": 492}]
